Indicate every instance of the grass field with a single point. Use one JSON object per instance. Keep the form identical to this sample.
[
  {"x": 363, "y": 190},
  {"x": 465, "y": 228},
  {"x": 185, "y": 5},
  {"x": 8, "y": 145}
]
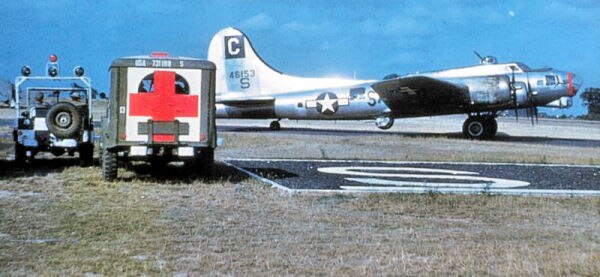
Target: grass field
[{"x": 59, "y": 219}]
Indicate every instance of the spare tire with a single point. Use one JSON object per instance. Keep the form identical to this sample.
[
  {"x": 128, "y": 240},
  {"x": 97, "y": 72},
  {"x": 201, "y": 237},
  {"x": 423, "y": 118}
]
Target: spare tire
[{"x": 63, "y": 120}]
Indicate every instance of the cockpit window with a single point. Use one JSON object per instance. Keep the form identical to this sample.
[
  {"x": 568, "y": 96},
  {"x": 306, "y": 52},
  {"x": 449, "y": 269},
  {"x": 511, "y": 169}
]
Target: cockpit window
[
  {"x": 551, "y": 80},
  {"x": 147, "y": 84}
]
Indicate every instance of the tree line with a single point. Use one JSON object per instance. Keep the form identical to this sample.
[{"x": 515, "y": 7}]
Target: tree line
[{"x": 591, "y": 100}]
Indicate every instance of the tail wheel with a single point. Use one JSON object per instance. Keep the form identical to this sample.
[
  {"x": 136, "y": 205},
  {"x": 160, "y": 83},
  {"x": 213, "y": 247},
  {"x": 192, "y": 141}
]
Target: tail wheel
[
  {"x": 86, "y": 154},
  {"x": 275, "y": 126},
  {"x": 63, "y": 120},
  {"x": 109, "y": 165},
  {"x": 384, "y": 122}
]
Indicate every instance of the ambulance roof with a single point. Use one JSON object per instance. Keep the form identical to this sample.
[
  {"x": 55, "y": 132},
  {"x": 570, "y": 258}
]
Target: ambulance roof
[{"x": 162, "y": 61}]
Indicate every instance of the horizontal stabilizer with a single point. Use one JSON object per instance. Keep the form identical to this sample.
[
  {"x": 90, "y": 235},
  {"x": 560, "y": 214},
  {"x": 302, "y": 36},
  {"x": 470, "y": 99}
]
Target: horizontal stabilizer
[{"x": 245, "y": 102}]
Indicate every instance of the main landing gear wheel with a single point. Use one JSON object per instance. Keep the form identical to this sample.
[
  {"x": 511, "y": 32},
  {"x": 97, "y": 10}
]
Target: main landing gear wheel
[
  {"x": 490, "y": 127},
  {"x": 275, "y": 126},
  {"x": 384, "y": 122},
  {"x": 480, "y": 127}
]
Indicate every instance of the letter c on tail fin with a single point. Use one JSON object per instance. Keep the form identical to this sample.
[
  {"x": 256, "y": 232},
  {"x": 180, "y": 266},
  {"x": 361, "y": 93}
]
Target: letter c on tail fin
[
  {"x": 239, "y": 69},
  {"x": 234, "y": 47}
]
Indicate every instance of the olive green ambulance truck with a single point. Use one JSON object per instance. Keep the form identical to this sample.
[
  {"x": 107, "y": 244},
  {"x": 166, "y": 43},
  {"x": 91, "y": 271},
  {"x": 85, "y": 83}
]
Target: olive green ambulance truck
[{"x": 161, "y": 109}]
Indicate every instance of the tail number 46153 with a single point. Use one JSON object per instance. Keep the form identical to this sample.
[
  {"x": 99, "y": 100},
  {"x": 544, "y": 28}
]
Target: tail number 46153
[{"x": 244, "y": 77}]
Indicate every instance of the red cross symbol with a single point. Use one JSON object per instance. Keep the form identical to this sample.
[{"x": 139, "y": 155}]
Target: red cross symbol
[{"x": 163, "y": 104}]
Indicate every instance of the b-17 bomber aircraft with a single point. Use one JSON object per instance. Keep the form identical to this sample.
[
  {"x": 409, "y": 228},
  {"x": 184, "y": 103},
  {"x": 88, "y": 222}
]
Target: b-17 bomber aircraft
[{"x": 247, "y": 87}]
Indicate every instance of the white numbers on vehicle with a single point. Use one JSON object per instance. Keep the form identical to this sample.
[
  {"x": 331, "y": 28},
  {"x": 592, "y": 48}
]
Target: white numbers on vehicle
[{"x": 161, "y": 63}]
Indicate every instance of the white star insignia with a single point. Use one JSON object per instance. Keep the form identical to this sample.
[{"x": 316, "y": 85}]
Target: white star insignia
[{"x": 327, "y": 104}]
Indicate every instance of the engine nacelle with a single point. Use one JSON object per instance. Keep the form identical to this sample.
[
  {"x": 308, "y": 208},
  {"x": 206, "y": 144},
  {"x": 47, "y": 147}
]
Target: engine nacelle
[{"x": 562, "y": 103}]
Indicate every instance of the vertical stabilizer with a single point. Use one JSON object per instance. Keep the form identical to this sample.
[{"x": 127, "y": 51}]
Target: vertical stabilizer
[{"x": 242, "y": 73}]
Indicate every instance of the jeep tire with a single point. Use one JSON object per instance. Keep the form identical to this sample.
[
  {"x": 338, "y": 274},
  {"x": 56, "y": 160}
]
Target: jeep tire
[
  {"x": 20, "y": 154},
  {"x": 109, "y": 165},
  {"x": 63, "y": 120}
]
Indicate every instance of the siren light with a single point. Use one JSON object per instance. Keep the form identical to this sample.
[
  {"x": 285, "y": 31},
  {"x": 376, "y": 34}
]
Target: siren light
[
  {"x": 78, "y": 70},
  {"x": 52, "y": 71},
  {"x": 25, "y": 71},
  {"x": 158, "y": 54},
  {"x": 52, "y": 66}
]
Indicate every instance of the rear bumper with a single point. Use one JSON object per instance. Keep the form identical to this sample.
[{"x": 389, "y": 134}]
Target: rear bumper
[
  {"x": 44, "y": 139},
  {"x": 167, "y": 151}
]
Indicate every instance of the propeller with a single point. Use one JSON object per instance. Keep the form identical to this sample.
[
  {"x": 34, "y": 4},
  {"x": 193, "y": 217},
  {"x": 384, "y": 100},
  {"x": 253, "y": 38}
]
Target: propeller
[
  {"x": 513, "y": 93},
  {"x": 532, "y": 110}
]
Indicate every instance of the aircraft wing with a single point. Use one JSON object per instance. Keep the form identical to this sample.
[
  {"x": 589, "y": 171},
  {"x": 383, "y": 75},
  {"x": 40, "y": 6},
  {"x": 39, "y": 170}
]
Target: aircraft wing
[{"x": 422, "y": 96}]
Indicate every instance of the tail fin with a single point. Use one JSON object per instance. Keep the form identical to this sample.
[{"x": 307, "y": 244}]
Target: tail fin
[{"x": 242, "y": 72}]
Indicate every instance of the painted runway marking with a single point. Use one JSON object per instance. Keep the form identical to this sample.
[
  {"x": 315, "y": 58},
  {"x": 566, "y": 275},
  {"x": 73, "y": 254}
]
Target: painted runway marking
[
  {"x": 468, "y": 181},
  {"x": 348, "y": 176}
]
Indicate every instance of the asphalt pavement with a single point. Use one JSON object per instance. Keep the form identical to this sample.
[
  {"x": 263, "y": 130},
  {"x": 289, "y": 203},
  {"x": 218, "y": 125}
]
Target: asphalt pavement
[{"x": 418, "y": 177}]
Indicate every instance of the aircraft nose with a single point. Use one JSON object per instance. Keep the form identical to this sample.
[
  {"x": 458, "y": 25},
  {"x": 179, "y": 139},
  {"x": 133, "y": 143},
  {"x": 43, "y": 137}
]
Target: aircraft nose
[{"x": 575, "y": 83}]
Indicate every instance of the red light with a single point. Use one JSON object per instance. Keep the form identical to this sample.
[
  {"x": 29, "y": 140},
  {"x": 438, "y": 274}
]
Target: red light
[
  {"x": 53, "y": 58},
  {"x": 202, "y": 137},
  {"x": 122, "y": 136},
  {"x": 159, "y": 54}
]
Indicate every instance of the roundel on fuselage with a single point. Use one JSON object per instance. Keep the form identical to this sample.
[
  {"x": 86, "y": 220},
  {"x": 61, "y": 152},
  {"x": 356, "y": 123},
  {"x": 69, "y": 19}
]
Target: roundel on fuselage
[{"x": 327, "y": 103}]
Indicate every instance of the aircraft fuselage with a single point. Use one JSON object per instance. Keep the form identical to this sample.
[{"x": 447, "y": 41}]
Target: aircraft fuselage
[
  {"x": 484, "y": 88},
  {"x": 342, "y": 103}
]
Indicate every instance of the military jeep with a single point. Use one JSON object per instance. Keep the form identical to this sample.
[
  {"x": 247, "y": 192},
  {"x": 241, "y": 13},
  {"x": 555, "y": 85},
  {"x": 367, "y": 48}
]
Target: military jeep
[
  {"x": 161, "y": 109},
  {"x": 53, "y": 114}
]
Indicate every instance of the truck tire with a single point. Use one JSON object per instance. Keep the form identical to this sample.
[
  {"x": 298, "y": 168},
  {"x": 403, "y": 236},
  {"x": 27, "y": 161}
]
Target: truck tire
[
  {"x": 63, "y": 120},
  {"x": 109, "y": 165},
  {"x": 205, "y": 163},
  {"x": 86, "y": 154}
]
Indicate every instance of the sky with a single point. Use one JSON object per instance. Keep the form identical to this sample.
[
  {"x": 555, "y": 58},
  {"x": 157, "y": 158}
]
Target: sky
[{"x": 365, "y": 39}]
